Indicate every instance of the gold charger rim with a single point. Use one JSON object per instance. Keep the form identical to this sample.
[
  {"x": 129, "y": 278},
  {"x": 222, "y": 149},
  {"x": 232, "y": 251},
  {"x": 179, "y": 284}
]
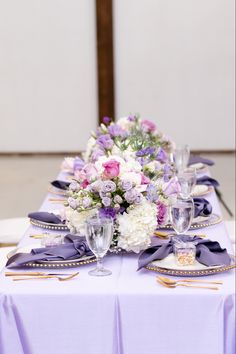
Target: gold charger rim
[
  {"x": 193, "y": 273},
  {"x": 48, "y": 226}
]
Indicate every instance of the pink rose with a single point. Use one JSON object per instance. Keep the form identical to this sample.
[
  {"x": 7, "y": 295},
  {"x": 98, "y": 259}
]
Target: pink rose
[
  {"x": 148, "y": 126},
  {"x": 111, "y": 168}
]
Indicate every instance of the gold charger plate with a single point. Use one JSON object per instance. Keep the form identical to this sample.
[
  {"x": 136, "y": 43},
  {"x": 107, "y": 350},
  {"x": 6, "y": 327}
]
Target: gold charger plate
[
  {"x": 169, "y": 267},
  {"x": 49, "y": 226},
  {"x": 200, "y": 167},
  {"x": 200, "y": 190},
  {"x": 51, "y": 264},
  {"x": 213, "y": 219}
]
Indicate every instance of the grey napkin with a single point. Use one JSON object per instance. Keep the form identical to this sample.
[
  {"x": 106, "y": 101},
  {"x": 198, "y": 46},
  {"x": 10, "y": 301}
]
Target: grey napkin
[
  {"x": 73, "y": 248},
  {"x": 201, "y": 207},
  {"x": 208, "y": 181},
  {"x": 45, "y": 217},
  {"x": 208, "y": 252},
  {"x": 197, "y": 159},
  {"x": 60, "y": 184}
]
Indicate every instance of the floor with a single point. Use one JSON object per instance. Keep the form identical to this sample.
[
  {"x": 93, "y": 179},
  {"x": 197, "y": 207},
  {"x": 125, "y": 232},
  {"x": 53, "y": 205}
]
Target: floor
[{"x": 24, "y": 181}]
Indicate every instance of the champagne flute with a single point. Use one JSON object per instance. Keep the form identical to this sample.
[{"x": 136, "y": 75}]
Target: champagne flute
[
  {"x": 187, "y": 180},
  {"x": 181, "y": 214},
  {"x": 99, "y": 233},
  {"x": 181, "y": 157}
]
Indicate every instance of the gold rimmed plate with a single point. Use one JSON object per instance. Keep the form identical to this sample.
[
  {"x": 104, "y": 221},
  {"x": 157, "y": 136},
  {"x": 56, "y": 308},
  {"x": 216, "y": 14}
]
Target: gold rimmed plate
[
  {"x": 199, "y": 223},
  {"x": 168, "y": 266},
  {"x": 201, "y": 189},
  {"x": 200, "y": 167},
  {"x": 51, "y": 264},
  {"x": 49, "y": 226}
]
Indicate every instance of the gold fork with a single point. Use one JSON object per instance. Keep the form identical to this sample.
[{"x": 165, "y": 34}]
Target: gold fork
[
  {"x": 186, "y": 285},
  {"x": 48, "y": 277},
  {"x": 173, "y": 282}
]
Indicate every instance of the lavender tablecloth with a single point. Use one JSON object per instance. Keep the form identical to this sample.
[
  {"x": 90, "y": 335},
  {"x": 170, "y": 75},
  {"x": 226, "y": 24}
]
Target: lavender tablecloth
[{"x": 126, "y": 313}]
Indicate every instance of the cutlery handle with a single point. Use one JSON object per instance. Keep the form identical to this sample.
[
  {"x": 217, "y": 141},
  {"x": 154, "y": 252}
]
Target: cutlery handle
[
  {"x": 9, "y": 274},
  {"x": 201, "y": 281},
  {"x": 200, "y": 287},
  {"x": 33, "y": 278}
]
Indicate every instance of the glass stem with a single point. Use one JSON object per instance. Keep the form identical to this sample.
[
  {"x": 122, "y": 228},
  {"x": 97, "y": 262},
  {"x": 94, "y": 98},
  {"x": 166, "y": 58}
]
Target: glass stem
[{"x": 99, "y": 263}]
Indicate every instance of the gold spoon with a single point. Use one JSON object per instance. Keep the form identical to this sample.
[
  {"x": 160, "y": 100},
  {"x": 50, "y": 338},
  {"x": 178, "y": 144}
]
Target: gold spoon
[
  {"x": 173, "y": 282},
  {"x": 185, "y": 285},
  {"x": 48, "y": 277}
]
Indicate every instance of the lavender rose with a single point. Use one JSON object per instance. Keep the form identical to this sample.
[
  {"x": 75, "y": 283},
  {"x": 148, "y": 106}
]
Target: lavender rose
[
  {"x": 86, "y": 202},
  {"x": 131, "y": 195},
  {"x": 106, "y": 201},
  {"x": 108, "y": 186},
  {"x": 72, "y": 203},
  {"x": 126, "y": 185}
]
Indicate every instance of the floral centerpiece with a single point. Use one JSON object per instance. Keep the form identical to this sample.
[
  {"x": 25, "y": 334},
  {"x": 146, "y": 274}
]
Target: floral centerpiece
[{"x": 127, "y": 175}]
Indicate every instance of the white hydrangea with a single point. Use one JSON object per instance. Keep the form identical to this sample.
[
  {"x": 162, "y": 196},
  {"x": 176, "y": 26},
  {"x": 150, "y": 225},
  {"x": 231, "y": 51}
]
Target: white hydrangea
[
  {"x": 136, "y": 226},
  {"x": 76, "y": 220},
  {"x": 125, "y": 123},
  {"x": 90, "y": 145}
]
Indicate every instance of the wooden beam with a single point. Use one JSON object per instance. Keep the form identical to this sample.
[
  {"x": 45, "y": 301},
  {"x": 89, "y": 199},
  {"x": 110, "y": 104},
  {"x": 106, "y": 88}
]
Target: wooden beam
[{"x": 105, "y": 58}]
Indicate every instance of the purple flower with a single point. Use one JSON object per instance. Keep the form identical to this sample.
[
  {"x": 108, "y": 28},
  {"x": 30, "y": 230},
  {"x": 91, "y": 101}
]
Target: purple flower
[
  {"x": 72, "y": 203},
  {"x": 86, "y": 202},
  {"x": 115, "y": 130},
  {"x": 146, "y": 151},
  {"x": 162, "y": 156},
  {"x": 107, "y": 212},
  {"x": 172, "y": 187},
  {"x": 108, "y": 186},
  {"x": 78, "y": 164},
  {"x": 126, "y": 185},
  {"x": 105, "y": 141},
  {"x": 152, "y": 195},
  {"x": 118, "y": 199},
  {"x": 131, "y": 196},
  {"x": 166, "y": 171},
  {"x": 161, "y": 213},
  {"x": 131, "y": 118},
  {"x": 138, "y": 198},
  {"x": 74, "y": 186},
  {"x": 106, "y": 120},
  {"x": 106, "y": 201},
  {"x": 96, "y": 154}
]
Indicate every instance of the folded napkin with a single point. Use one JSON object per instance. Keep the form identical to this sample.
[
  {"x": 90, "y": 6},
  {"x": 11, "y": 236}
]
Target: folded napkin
[
  {"x": 197, "y": 159},
  {"x": 208, "y": 181},
  {"x": 73, "y": 248},
  {"x": 45, "y": 217},
  {"x": 201, "y": 207},
  {"x": 208, "y": 252},
  {"x": 60, "y": 184}
]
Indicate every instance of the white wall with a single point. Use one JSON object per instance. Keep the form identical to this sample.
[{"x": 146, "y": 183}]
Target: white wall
[
  {"x": 175, "y": 64},
  {"x": 48, "y": 97}
]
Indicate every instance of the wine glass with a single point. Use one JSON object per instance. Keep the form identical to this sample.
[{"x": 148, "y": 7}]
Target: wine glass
[
  {"x": 181, "y": 157},
  {"x": 187, "y": 180},
  {"x": 99, "y": 233},
  {"x": 181, "y": 214}
]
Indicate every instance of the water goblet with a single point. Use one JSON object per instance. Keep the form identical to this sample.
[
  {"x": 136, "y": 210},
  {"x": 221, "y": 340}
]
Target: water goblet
[
  {"x": 99, "y": 233},
  {"x": 181, "y": 157},
  {"x": 181, "y": 214},
  {"x": 187, "y": 180}
]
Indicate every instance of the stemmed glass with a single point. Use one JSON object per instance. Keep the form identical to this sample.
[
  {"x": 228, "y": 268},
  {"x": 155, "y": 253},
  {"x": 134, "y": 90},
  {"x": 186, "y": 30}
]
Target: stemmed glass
[
  {"x": 187, "y": 180},
  {"x": 181, "y": 214},
  {"x": 181, "y": 157},
  {"x": 99, "y": 233}
]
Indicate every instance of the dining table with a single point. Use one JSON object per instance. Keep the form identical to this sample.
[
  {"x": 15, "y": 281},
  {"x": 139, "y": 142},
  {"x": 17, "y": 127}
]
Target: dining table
[{"x": 128, "y": 312}]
